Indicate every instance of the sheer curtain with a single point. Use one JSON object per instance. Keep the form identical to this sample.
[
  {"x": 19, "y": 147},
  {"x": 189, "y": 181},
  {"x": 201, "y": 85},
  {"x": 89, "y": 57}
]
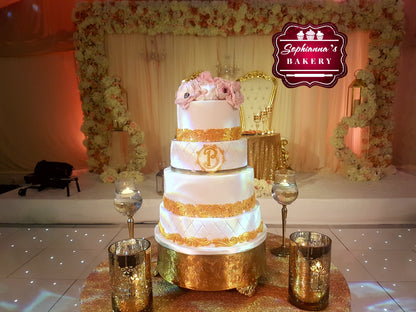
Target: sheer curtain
[
  {"x": 152, "y": 67},
  {"x": 40, "y": 112}
]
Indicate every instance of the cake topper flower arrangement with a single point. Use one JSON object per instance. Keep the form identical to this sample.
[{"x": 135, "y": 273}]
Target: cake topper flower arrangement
[{"x": 206, "y": 87}]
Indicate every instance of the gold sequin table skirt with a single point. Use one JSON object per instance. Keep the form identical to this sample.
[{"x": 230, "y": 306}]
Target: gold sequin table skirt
[
  {"x": 271, "y": 293},
  {"x": 264, "y": 155}
]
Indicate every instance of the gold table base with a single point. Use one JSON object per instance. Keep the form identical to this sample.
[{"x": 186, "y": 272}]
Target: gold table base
[{"x": 271, "y": 293}]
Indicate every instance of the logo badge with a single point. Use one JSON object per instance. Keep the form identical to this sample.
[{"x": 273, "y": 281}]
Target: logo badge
[
  {"x": 309, "y": 55},
  {"x": 210, "y": 158}
]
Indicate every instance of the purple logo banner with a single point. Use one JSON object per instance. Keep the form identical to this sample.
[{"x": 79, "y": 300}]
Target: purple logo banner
[{"x": 309, "y": 55}]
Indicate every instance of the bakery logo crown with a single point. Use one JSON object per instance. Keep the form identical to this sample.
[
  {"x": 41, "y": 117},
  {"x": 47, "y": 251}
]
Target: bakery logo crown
[{"x": 310, "y": 35}]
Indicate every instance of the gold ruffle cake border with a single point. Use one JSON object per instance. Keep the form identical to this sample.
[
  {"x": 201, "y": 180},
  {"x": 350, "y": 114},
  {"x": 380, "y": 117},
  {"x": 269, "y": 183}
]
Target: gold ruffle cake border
[
  {"x": 219, "y": 242},
  {"x": 209, "y": 210},
  {"x": 209, "y": 135},
  {"x": 213, "y": 272}
]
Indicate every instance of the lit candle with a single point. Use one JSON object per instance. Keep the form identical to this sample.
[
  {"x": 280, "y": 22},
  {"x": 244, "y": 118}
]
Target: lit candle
[
  {"x": 284, "y": 183},
  {"x": 127, "y": 191},
  {"x": 318, "y": 267}
]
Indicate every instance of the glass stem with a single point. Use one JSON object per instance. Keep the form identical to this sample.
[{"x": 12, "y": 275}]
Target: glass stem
[
  {"x": 130, "y": 224},
  {"x": 284, "y": 216}
]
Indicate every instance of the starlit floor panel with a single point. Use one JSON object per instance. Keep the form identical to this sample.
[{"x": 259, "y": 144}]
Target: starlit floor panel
[{"x": 43, "y": 268}]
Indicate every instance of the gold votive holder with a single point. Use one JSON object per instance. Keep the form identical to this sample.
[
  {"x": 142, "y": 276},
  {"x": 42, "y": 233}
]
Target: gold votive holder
[
  {"x": 130, "y": 275},
  {"x": 309, "y": 270}
]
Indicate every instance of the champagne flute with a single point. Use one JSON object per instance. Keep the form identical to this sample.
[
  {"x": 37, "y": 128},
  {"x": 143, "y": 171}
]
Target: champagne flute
[
  {"x": 257, "y": 119},
  {"x": 285, "y": 192},
  {"x": 128, "y": 200},
  {"x": 269, "y": 115},
  {"x": 264, "y": 121}
]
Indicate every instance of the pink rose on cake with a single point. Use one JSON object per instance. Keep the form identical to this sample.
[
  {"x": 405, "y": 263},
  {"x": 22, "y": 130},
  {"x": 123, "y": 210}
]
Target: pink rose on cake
[
  {"x": 238, "y": 96},
  {"x": 229, "y": 91},
  {"x": 188, "y": 91},
  {"x": 204, "y": 78},
  {"x": 223, "y": 88},
  {"x": 206, "y": 81},
  {"x": 205, "y": 87}
]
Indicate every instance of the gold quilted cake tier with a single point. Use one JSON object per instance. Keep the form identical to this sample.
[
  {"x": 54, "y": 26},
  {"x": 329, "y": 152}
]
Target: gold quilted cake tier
[{"x": 213, "y": 272}]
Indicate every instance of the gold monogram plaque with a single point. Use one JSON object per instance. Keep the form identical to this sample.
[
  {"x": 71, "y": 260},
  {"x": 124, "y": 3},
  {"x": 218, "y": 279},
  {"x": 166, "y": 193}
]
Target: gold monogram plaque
[{"x": 210, "y": 158}]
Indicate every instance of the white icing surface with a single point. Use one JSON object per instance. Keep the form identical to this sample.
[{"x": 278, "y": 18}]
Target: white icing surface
[
  {"x": 211, "y": 250},
  {"x": 183, "y": 155},
  {"x": 210, "y": 228},
  {"x": 211, "y": 114},
  {"x": 222, "y": 187}
]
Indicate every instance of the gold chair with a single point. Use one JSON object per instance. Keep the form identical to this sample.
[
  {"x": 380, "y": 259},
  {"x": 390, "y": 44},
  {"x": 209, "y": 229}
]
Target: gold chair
[
  {"x": 259, "y": 90},
  {"x": 265, "y": 153},
  {"x": 193, "y": 76}
]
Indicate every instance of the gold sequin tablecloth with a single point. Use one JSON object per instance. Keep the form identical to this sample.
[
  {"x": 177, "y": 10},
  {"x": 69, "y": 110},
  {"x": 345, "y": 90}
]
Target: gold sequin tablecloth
[
  {"x": 271, "y": 292},
  {"x": 264, "y": 154}
]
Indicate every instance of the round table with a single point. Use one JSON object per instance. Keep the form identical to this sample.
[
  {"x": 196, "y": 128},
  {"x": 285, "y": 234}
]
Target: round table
[
  {"x": 271, "y": 293},
  {"x": 264, "y": 154}
]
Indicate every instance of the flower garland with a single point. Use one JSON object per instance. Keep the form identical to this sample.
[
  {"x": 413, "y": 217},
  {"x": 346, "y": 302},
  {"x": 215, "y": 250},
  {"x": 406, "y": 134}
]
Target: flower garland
[
  {"x": 262, "y": 188},
  {"x": 115, "y": 103},
  {"x": 383, "y": 18},
  {"x": 357, "y": 169}
]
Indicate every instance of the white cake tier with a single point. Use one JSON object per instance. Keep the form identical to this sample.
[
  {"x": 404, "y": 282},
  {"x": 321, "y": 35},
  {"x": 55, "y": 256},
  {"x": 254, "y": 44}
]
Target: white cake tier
[
  {"x": 200, "y": 188},
  {"x": 202, "y": 156},
  {"x": 211, "y": 250},
  {"x": 210, "y": 228},
  {"x": 208, "y": 121},
  {"x": 210, "y": 114}
]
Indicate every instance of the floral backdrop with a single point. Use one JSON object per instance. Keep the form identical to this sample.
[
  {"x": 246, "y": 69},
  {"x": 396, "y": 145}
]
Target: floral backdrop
[{"x": 101, "y": 94}]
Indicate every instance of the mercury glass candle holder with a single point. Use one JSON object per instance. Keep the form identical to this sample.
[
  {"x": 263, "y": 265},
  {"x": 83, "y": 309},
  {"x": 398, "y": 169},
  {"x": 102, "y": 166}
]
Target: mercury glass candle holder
[
  {"x": 309, "y": 270},
  {"x": 130, "y": 275}
]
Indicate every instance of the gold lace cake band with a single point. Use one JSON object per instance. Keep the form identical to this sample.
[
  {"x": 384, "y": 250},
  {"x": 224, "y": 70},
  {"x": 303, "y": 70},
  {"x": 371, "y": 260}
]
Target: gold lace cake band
[
  {"x": 219, "y": 242},
  {"x": 209, "y": 210},
  {"x": 210, "y": 135}
]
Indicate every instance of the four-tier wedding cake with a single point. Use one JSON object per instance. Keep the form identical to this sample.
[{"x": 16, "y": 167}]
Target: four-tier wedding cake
[{"x": 210, "y": 234}]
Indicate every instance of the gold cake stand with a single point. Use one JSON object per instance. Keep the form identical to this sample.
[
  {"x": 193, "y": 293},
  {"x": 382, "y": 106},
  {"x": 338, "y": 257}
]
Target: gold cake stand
[
  {"x": 271, "y": 293},
  {"x": 213, "y": 272}
]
